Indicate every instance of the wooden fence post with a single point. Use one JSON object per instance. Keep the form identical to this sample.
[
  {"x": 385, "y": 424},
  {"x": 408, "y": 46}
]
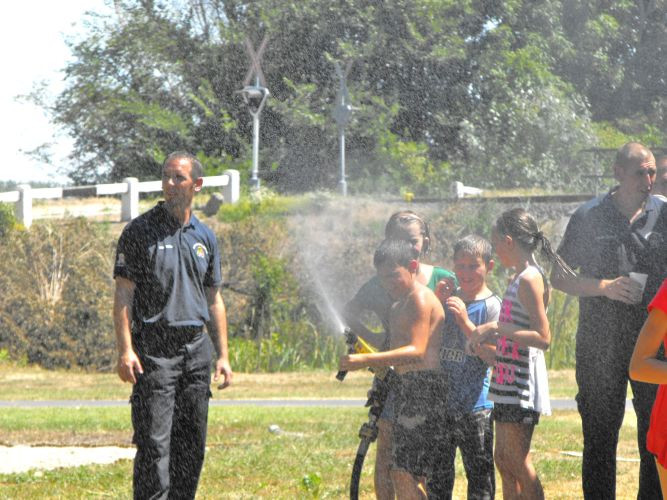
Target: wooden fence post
[
  {"x": 232, "y": 191},
  {"x": 130, "y": 200},
  {"x": 24, "y": 205}
]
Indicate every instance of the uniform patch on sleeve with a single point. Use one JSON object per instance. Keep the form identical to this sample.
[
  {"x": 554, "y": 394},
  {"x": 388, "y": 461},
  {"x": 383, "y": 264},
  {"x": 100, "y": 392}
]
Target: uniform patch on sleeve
[
  {"x": 200, "y": 250},
  {"x": 120, "y": 260}
]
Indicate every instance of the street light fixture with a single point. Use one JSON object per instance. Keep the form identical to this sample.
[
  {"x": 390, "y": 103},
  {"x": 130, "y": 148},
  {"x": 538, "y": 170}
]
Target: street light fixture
[{"x": 255, "y": 98}]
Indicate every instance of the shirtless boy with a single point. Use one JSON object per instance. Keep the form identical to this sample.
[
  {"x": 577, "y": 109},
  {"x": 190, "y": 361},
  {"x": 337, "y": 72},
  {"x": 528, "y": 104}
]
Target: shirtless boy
[{"x": 415, "y": 323}]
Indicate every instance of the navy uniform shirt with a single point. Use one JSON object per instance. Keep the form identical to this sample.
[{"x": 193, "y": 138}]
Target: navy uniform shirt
[
  {"x": 171, "y": 266},
  {"x": 602, "y": 244}
]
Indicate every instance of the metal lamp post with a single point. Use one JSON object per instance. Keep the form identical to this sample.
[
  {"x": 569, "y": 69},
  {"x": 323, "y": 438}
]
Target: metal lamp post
[
  {"x": 255, "y": 97},
  {"x": 342, "y": 113}
]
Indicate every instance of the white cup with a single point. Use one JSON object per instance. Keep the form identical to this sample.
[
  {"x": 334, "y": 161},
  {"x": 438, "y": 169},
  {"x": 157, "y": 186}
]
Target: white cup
[{"x": 639, "y": 278}]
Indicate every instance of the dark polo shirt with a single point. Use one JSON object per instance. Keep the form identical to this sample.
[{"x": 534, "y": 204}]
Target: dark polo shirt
[
  {"x": 171, "y": 266},
  {"x": 602, "y": 244}
]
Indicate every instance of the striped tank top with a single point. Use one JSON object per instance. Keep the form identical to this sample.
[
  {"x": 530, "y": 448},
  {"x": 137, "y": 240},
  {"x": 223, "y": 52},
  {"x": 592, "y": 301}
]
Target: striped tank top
[{"x": 520, "y": 372}]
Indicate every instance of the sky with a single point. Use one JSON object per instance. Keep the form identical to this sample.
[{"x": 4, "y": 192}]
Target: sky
[{"x": 34, "y": 49}]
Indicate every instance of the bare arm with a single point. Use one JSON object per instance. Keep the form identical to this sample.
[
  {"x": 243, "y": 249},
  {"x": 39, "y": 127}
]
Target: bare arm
[
  {"x": 400, "y": 356},
  {"x": 531, "y": 292},
  {"x": 622, "y": 288},
  {"x": 128, "y": 365},
  {"x": 217, "y": 329},
  {"x": 644, "y": 366},
  {"x": 417, "y": 319},
  {"x": 352, "y": 312},
  {"x": 457, "y": 308}
]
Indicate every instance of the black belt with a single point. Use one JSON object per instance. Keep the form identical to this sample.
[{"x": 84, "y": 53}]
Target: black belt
[
  {"x": 153, "y": 335},
  {"x": 161, "y": 328}
]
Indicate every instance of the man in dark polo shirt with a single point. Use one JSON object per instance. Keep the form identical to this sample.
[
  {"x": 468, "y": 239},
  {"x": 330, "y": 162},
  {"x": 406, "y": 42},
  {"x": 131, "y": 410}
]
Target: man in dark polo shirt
[
  {"x": 167, "y": 274},
  {"x": 608, "y": 238}
]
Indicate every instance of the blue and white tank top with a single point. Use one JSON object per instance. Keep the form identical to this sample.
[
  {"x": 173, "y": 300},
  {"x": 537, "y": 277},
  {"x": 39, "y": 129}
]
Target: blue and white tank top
[
  {"x": 470, "y": 375},
  {"x": 520, "y": 373}
]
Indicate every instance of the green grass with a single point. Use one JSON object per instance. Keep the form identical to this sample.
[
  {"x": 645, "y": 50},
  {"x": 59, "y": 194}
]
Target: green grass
[
  {"x": 312, "y": 458},
  {"x": 562, "y": 384},
  {"x": 35, "y": 384},
  {"x": 245, "y": 460}
]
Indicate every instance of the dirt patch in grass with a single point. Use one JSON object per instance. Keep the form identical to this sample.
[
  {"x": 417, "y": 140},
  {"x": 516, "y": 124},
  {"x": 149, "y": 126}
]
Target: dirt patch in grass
[
  {"x": 41, "y": 437},
  {"x": 17, "y": 459}
]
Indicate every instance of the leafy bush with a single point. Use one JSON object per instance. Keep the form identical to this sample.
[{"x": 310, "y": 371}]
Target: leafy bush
[
  {"x": 7, "y": 219},
  {"x": 400, "y": 165},
  {"x": 563, "y": 313},
  {"x": 528, "y": 126},
  {"x": 266, "y": 203},
  {"x": 288, "y": 268},
  {"x": 297, "y": 347},
  {"x": 56, "y": 282},
  {"x": 273, "y": 324}
]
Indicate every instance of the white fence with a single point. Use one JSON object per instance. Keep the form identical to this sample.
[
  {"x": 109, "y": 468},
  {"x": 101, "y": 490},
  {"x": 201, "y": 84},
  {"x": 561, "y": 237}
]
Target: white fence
[
  {"x": 461, "y": 191},
  {"x": 129, "y": 190}
]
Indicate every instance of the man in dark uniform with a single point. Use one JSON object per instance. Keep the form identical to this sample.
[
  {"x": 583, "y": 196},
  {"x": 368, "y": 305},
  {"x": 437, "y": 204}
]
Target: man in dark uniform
[
  {"x": 608, "y": 238},
  {"x": 167, "y": 274}
]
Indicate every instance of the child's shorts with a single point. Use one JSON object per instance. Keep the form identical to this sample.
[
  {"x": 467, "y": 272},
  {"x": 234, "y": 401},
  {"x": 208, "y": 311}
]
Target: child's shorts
[
  {"x": 419, "y": 426},
  {"x": 514, "y": 414},
  {"x": 388, "y": 409}
]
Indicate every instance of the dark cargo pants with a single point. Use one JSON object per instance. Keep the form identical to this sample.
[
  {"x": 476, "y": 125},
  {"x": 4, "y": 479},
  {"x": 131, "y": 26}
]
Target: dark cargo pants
[
  {"x": 473, "y": 435},
  {"x": 170, "y": 413},
  {"x": 602, "y": 379}
]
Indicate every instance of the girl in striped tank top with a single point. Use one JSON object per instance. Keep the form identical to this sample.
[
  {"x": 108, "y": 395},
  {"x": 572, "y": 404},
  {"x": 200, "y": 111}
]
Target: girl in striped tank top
[{"x": 519, "y": 386}]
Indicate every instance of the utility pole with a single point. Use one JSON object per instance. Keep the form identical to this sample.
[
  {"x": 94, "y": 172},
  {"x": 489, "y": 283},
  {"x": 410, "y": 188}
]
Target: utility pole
[{"x": 342, "y": 113}]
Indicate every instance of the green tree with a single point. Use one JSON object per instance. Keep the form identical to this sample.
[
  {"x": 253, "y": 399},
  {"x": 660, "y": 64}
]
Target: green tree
[
  {"x": 527, "y": 126},
  {"x": 143, "y": 83},
  {"x": 499, "y": 91},
  {"x": 617, "y": 56},
  {"x": 614, "y": 54},
  {"x": 158, "y": 77}
]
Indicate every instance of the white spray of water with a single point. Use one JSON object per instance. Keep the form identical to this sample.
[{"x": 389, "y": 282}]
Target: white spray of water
[
  {"x": 325, "y": 232},
  {"x": 329, "y": 309}
]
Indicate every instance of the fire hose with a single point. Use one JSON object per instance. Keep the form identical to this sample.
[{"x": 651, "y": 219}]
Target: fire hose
[{"x": 377, "y": 397}]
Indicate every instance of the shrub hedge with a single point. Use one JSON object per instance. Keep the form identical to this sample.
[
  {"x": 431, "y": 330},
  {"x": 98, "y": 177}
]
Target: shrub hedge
[{"x": 288, "y": 267}]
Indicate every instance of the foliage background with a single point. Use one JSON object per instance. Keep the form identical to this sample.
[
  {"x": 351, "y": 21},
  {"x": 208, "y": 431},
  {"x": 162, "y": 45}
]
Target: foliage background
[
  {"x": 490, "y": 93},
  {"x": 501, "y": 95},
  {"x": 289, "y": 265},
  {"x": 54, "y": 309}
]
